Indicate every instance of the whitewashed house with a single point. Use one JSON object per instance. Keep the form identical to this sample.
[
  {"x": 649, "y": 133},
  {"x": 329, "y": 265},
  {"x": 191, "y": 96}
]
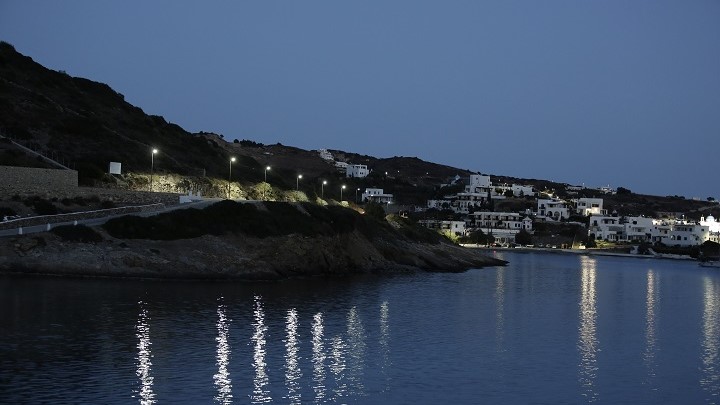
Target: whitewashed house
[
  {"x": 553, "y": 209},
  {"x": 606, "y": 228},
  {"x": 685, "y": 233},
  {"x": 479, "y": 183},
  {"x": 713, "y": 228},
  {"x": 502, "y": 225},
  {"x": 456, "y": 227},
  {"x": 639, "y": 229},
  {"x": 325, "y": 155},
  {"x": 341, "y": 166},
  {"x": 520, "y": 190},
  {"x": 377, "y": 195},
  {"x": 356, "y": 171},
  {"x": 589, "y": 206}
]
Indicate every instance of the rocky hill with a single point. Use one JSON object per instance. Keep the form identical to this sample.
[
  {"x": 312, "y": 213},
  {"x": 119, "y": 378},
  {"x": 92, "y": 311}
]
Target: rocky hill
[{"x": 86, "y": 125}]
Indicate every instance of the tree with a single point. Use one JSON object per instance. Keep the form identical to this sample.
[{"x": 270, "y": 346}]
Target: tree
[
  {"x": 375, "y": 210},
  {"x": 509, "y": 193},
  {"x": 523, "y": 238},
  {"x": 623, "y": 191}
]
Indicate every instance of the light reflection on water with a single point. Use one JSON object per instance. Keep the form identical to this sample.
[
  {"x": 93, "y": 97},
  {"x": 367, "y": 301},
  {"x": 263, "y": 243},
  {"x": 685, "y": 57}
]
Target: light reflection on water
[
  {"x": 356, "y": 352},
  {"x": 588, "y": 341},
  {"x": 650, "y": 328},
  {"x": 545, "y": 329},
  {"x": 710, "y": 380},
  {"x": 338, "y": 349},
  {"x": 144, "y": 358},
  {"x": 260, "y": 394},
  {"x": 318, "y": 358},
  {"x": 500, "y": 308},
  {"x": 385, "y": 342},
  {"x": 292, "y": 367},
  {"x": 222, "y": 378}
]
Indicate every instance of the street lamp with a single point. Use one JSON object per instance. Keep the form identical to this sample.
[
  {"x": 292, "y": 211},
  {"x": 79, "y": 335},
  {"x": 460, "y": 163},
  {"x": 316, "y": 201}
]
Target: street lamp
[
  {"x": 266, "y": 170},
  {"x": 297, "y": 182},
  {"x": 232, "y": 159},
  {"x": 341, "y": 190},
  {"x": 152, "y": 166},
  {"x": 356, "y": 191},
  {"x": 322, "y": 189}
]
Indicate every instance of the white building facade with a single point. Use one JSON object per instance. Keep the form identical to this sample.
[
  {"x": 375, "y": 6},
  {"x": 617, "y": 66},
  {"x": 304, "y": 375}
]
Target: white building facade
[
  {"x": 589, "y": 206},
  {"x": 356, "y": 171},
  {"x": 552, "y": 209},
  {"x": 501, "y": 225},
  {"x": 456, "y": 227},
  {"x": 377, "y": 195}
]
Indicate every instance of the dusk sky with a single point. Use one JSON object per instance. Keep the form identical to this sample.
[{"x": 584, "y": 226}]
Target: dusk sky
[{"x": 620, "y": 93}]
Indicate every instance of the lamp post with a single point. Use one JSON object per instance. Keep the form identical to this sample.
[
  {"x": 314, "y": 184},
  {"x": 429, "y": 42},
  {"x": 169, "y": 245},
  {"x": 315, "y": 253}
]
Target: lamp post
[
  {"x": 152, "y": 166},
  {"x": 297, "y": 182},
  {"x": 356, "y": 191},
  {"x": 266, "y": 170},
  {"x": 232, "y": 159},
  {"x": 322, "y": 189},
  {"x": 341, "y": 190}
]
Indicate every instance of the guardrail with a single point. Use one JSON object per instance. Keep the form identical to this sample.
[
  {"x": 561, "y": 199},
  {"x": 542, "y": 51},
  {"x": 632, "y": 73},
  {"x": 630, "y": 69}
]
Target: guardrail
[{"x": 77, "y": 216}]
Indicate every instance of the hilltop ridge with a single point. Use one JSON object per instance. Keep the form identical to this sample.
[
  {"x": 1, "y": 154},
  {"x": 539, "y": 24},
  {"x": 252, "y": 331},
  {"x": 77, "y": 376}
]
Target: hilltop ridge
[{"x": 87, "y": 124}]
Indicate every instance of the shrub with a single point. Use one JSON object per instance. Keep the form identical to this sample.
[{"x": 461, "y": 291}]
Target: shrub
[
  {"x": 375, "y": 210},
  {"x": 44, "y": 207},
  {"x": 7, "y": 211},
  {"x": 523, "y": 238},
  {"x": 77, "y": 233}
]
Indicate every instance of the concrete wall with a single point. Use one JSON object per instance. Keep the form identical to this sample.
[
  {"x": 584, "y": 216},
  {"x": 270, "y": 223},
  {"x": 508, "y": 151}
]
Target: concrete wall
[{"x": 12, "y": 177}]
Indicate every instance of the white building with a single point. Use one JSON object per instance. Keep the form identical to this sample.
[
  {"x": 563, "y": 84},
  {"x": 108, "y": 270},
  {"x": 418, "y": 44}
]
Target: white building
[
  {"x": 640, "y": 229},
  {"x": 325, "y": 154},
  {"x": 341, "y": 167},
  {"x": 589, "y": 206},
  {"x": 685, "y": 233},
  {"x": 713, "y": 228},
  {"x": 501, "y": 225},
  {"x": 666, "y": 231},
  {"x": 479, "y": 183},
  {"x": 376, "y": 195},
  {"x": 356, "y": 170},
  {"x": 553, "y": 209},
  {"x": 456, "y": 227},
  {"x": 606, "y": 228},
  {"x": 518, "y": 190}
]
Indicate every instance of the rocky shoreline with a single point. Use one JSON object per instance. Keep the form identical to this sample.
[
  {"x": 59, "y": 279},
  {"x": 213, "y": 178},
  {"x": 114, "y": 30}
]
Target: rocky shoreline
[{"x": 233, "y": 256}]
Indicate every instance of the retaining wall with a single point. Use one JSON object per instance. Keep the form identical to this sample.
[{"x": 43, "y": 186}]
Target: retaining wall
[{"x": 32, "y": 177}]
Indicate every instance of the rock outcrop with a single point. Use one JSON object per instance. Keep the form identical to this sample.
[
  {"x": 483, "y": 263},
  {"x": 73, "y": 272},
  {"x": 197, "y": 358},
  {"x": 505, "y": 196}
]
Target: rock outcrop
[{"x": 232, "y": 257}]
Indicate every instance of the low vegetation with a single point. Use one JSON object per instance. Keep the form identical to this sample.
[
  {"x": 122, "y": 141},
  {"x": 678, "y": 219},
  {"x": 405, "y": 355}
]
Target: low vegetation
[
  {"x": 77, "y": 233},
  {"x": 279, "y": 219}
]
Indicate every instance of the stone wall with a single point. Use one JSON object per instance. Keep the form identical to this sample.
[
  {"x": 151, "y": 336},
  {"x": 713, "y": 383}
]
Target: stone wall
[
  {"x": 12, "y": 177},
  {"x": 58, "y": 184}
]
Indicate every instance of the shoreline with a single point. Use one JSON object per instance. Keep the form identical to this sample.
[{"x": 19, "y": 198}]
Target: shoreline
[{"x": 587, "y": 252}]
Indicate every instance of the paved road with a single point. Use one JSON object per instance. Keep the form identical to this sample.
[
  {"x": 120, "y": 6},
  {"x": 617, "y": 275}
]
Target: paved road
[{"x": 99, "y": 221}]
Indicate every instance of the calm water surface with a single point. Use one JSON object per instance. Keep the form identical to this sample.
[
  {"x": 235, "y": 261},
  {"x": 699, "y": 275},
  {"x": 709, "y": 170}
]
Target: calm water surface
[{"x": 546, "y": 329}]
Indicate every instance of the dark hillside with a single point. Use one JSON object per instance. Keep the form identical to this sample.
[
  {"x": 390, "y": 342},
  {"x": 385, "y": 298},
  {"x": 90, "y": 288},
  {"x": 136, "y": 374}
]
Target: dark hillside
[
  {"x": 88, "y": 123},
  {"x": 85, "y": 125}
]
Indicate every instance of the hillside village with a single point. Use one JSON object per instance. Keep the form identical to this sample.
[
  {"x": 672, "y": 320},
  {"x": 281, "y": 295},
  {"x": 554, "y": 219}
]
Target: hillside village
[{"x": 474, "y": 212}]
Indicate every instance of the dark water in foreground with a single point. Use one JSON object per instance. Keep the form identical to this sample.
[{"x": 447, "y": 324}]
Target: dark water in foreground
[{"x": 547, "y": 329}]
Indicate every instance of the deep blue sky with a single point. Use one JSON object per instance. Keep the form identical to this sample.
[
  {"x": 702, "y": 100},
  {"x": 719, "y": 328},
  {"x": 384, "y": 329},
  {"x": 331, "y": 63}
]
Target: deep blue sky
[{"x": 625, "y": 93}]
